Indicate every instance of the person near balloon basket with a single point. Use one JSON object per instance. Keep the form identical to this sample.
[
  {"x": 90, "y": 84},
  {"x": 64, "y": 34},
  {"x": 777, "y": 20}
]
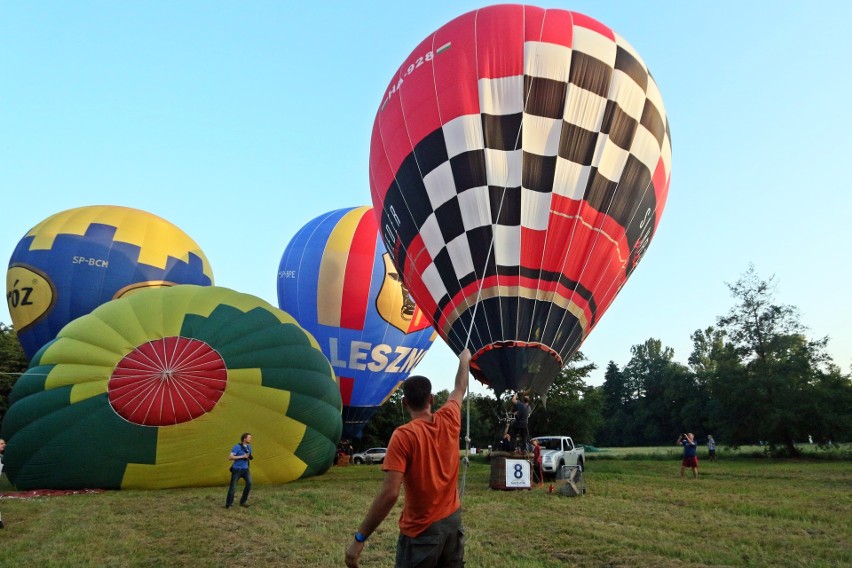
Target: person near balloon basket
[
  {"x": 430, "y": 528},
  {"x": 241, "y": 455},
  {"x": 538, "y": 472},
  {"x": 506, "y": 444},
  {"x": 521, "y": 424}
]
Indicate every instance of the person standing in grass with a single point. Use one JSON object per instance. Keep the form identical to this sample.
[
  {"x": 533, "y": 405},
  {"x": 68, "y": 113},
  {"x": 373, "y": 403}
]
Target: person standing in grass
[
  {"x": 2, "y": 449},
  {"x": 711, "y": 447},
  {"x": 690, "y": 454},
  {"x": 423, "y": 455},
  {"x": 538, "y": 472},
  {"x": 240, "y": 456}
]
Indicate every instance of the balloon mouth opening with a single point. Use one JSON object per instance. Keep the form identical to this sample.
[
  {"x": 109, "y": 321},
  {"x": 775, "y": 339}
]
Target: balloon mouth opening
[
  {"x": 516, "y": 365},
  {"x": 167, "y": 381}
]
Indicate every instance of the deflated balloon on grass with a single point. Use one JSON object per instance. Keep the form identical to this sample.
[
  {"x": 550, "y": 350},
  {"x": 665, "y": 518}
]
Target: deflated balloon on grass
[{"x": 152, "y": 390}]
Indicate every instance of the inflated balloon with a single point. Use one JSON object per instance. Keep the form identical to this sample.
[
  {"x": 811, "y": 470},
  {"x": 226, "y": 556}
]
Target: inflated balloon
[
  {"x": 519, "y": 165},
  {"x": 337, "y": 280},
  {"x": 76, "y": 260},
  {"x": 154, "y": 389}
]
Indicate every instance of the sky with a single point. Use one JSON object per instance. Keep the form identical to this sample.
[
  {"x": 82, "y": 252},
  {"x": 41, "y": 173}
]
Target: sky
[{"x": 239, "y": 122}]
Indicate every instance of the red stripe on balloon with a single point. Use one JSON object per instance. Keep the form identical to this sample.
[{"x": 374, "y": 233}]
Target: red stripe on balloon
[
  {"x": 503, "y": 58},
  {"x": 549, "y": 26},
  {"x": 347, "y": 385},
  {"x": 472, "y": 291},
  {"x": 455, "y": 70},
  {"x": 358, "y": 273},
  {"x": 584, "y": 21},
  {"x": 661, "y": 190}
]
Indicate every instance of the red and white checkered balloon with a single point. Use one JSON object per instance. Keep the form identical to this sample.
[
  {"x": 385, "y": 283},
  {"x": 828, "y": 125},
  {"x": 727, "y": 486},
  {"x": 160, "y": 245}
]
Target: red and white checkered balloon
[{"x": 519, "y": 166}]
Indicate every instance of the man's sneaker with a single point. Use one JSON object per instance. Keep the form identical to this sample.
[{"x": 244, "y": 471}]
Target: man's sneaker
[{"x": 244, "y": 504}]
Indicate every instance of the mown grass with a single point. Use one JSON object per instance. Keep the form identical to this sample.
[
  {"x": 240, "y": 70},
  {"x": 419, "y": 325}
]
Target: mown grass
[{"x": 636, "y": 512}]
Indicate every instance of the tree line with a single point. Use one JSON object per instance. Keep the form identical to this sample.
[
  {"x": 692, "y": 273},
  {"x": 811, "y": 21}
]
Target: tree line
[{"x": 754, "y": 376}]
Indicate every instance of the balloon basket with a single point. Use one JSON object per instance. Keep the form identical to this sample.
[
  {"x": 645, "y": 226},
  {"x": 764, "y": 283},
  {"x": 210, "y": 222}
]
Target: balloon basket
[{"x": 498, "y": 472}]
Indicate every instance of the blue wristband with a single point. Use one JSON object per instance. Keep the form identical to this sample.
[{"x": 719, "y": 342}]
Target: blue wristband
[{"x": 359, "y": 537}]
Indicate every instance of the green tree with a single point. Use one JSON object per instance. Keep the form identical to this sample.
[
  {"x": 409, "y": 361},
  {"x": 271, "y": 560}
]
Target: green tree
[
  {"x": 391, "y": 414},
  {"x": 777, "y": 390},
  {"x": 13, "y": 362},
  {"x": 378, "y": 430},
  {"x": 615, "y": 402},
  {"x": 661, "y": 388}
]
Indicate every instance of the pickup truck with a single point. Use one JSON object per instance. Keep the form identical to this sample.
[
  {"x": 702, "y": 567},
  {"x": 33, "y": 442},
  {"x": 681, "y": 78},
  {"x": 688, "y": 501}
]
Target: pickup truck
[{"x": 557, "y": 451}]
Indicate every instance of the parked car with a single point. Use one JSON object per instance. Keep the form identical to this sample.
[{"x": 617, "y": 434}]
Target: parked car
[
  {"x": 557, "y": 451},
  {"x": 371, "y": 456}
]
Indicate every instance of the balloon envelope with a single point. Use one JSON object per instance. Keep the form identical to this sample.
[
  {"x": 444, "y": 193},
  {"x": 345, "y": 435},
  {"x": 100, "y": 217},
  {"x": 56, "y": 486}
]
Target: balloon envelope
[
  {"x": 153, "y": 390},
  {"x": 519, "y": 164},
  {"x": 336, "y": 279},
  {"x": 76, "y": 260}
]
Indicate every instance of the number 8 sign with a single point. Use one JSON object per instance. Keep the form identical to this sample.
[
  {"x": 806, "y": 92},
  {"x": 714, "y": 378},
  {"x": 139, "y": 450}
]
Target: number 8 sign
[{"x": 517, "y": 474}]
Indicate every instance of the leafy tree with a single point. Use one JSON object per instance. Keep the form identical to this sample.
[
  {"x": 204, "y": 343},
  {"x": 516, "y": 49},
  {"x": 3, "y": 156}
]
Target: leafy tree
[
  {"x": 649, "y": 372},
  {"x": 391, "y": 415},
  {"x": 378, "y": 430},
  {"x": 707, "y": 344},
  {"x": 13, "y": 362},
  {"x": 615, "y": 397},
  {"x": 776, "y": 390}
]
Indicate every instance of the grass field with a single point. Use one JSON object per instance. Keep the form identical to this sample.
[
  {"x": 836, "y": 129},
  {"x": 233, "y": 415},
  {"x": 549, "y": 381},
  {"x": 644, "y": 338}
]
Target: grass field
[{"x": 636, "y": 512}]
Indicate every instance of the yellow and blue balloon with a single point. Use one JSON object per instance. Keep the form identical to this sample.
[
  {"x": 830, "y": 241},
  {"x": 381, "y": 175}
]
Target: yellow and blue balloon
[
  {"x": 337, "y": 280},
  {"x": 76, "y": 260}
]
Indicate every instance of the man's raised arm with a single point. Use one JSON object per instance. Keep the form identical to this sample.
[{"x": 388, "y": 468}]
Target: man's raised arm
[{"x": 462, "y": 377}]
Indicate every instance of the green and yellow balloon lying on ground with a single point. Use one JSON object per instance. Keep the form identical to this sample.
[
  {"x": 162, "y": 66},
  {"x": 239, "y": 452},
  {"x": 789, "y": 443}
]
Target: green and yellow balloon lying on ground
[{"x": 153, "y": 390}]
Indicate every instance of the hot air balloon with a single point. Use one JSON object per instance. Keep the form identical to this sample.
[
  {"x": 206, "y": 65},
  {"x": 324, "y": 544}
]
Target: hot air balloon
[
  {"x": 76, "y": 260},
  {"x": 336, "y": 279},
  {"x": 151, "y": 390},
  {"x": 519, "y": 164}
]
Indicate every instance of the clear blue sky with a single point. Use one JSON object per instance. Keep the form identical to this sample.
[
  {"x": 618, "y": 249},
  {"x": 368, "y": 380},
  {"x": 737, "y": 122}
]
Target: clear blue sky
[{"x": 241, "y": 121}]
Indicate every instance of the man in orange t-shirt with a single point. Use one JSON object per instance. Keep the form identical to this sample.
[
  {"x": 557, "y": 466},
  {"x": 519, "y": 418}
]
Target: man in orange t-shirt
[{"x": 423, "y": 455}]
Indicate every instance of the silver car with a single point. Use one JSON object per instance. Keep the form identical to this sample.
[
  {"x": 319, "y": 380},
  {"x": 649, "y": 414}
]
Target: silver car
[{"x": 371, "y": 456}]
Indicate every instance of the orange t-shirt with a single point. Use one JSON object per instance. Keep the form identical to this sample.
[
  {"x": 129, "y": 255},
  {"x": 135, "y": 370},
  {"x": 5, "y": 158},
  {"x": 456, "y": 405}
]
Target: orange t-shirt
[{"x": 427, "y": 454}]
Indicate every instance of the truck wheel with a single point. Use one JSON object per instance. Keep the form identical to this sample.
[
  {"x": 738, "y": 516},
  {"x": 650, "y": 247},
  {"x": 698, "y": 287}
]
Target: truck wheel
[{"x": 582, "y": 465}]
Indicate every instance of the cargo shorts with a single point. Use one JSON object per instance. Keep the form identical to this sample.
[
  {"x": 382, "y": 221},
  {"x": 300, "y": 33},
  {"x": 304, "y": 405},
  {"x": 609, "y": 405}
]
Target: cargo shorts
[{"x": 441, "y": 544}]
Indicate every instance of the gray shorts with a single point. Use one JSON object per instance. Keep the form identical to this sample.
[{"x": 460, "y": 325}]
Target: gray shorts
[{"x": 441, "y": 544}]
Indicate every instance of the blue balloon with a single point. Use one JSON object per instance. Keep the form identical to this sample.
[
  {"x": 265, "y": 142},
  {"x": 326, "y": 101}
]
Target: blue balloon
[
  {"x": 337, "y": 280},
  {"x": 76, "y": 260}
]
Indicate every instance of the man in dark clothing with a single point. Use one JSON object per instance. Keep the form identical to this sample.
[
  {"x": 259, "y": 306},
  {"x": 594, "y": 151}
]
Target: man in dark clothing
[{"x": 522, "y": 417}]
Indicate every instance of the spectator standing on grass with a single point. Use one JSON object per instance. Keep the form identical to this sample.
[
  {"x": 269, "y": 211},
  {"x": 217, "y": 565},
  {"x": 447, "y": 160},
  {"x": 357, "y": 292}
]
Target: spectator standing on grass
[
  {"x": 690, "y": 454},
  {"x": 424, "y": 456},
  {"x": 240, "y": 456},
  {"x": 711, "y": 447},
  {"x": 2, "y": 449}
]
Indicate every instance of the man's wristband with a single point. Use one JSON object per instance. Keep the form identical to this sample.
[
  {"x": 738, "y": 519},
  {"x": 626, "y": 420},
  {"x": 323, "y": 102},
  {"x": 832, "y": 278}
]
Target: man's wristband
[{"x": 359, "y": 537}]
